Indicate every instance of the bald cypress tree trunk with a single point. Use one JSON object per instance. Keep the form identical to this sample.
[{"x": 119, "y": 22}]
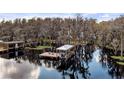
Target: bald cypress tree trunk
[{"x": 121, "y": 44}]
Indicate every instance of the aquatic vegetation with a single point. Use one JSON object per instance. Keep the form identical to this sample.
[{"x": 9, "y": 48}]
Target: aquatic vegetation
[
  {"x": 120, "y": 63},
  {"x": 117, "y": 57}
]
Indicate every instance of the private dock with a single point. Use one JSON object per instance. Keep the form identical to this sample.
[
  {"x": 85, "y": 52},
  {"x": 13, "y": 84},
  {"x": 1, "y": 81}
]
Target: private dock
[
  {"x": 63, "y": 52},
  {"x": 50, "y": 55},
  {"x": 10, "y": 46},
  {"x": 2, "y": 50}
]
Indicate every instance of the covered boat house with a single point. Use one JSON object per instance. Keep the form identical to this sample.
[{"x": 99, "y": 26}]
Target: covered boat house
[
  {"x": 66, "y": 51},
  {"x": 11, "y": 45}
]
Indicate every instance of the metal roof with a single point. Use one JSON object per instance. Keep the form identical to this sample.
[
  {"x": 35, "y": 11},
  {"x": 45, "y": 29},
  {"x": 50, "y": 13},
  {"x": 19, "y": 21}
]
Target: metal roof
[{"x": 65, "y": 47}]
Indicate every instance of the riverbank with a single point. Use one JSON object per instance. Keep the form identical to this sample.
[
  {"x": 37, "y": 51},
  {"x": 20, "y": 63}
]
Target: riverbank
[{"x": 38, "y": 48}]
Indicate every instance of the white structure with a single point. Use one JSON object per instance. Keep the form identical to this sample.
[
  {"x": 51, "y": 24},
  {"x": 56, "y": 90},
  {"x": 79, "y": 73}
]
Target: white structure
[
  {"x": 1, "y": 40},
  {"x": 65, "y": 47},
  {"x": 66, "y": 51}
]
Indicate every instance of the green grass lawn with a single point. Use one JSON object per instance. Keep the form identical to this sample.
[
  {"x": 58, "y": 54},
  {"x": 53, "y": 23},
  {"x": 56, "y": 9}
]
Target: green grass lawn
[
  {"x": 39, "y": 47},
  {"x": 42, "y": 47},
  {"x": 118, "y": 57}
]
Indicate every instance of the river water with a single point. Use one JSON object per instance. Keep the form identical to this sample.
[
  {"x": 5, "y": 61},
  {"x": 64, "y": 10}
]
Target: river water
[{"x": 27, "y": 65}]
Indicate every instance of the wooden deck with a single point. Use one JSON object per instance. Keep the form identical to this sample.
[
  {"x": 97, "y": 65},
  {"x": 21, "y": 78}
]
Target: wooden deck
[
  {"x": 3, "y": 50},
  {"x": 50, "y": 55}
]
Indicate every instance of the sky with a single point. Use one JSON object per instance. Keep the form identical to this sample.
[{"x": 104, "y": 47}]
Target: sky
[{"x": 99, "y": 16}]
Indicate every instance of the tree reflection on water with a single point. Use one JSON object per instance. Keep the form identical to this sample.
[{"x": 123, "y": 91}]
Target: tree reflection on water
[
  {"x": 116, "y": 71},
  {"x": 77, "y": 67}
]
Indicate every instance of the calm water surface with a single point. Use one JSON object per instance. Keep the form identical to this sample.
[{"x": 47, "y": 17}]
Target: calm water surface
[{"x": 27, "y": 65}]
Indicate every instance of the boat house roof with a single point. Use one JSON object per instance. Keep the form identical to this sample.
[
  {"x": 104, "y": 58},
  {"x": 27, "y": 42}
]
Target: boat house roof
[{"x": 65, "y": 47}]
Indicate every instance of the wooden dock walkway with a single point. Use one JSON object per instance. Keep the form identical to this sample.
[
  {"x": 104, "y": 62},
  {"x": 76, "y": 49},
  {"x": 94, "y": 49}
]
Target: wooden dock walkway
[
  {"x": 50, "y": 55},
  {"x": 2, "y": 50}
]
